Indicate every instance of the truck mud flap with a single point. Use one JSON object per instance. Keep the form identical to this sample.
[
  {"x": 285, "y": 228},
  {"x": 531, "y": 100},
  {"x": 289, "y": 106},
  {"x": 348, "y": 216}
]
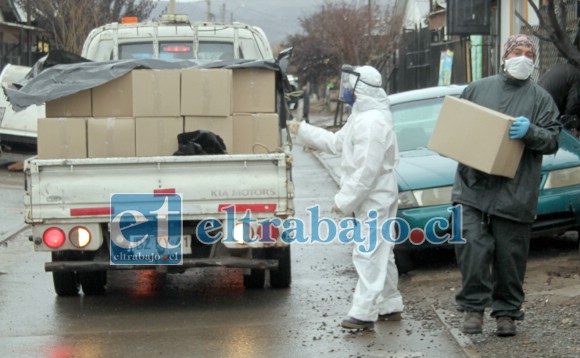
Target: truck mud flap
[{"x": 63, "y": 266}]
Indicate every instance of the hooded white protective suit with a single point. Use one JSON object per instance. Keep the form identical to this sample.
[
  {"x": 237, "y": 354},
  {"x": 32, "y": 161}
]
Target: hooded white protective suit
[{"x": 369, "y": 155}]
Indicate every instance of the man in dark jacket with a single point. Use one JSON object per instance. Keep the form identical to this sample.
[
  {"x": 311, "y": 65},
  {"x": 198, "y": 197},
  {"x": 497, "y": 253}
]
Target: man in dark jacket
[
  {"x": 498, "y": 212},
  {"x": 562, "y": 81}
]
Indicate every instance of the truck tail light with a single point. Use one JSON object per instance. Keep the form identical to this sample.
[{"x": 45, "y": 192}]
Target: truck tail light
[
  {"x": 79, "y": 236},
  {"x": 268, "y": 233},
  {"x": 176, "y": 48},
  {"x": 53, "y": 237}
]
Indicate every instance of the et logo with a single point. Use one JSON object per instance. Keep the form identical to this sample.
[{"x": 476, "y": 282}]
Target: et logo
[{"x": 146, "y": 229}]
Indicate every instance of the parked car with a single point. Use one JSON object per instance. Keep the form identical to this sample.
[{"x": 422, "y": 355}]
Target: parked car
[{"x": 426, "y": 178}]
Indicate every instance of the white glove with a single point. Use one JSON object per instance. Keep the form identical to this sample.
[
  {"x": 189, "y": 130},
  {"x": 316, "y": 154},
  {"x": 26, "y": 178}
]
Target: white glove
[{"x": 293, "y": 126}]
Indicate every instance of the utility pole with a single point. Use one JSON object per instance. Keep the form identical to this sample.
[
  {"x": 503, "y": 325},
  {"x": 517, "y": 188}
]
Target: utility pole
[
  {"x": 208, "y": 10},
  {"x": 370, "y": 17},
  {"x": 29, "y": 37},
  {"x": 171, "y": 7},
  {"x": 224, "y": 13}
]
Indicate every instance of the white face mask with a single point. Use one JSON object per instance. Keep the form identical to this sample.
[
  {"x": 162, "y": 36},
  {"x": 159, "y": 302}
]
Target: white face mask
[{"x": 519, "y": 67}]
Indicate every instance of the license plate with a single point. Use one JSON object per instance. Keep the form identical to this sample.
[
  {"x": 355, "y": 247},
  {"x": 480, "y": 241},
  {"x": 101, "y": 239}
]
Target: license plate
[{"x": 186, "y": 244}]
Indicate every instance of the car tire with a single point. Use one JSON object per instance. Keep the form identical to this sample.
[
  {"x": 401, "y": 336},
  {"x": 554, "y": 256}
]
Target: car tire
[
  {"x": 257, "y": 277},
  {"x": 404, "y": 261},
  {"x": 93, "y": 282},
  {"x": 281, "y": 277}
]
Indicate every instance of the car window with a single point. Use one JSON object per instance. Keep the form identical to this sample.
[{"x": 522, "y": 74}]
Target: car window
[
  {"x": 177, "y": 50},
  {"x": 216, "y": 51},
  {"x": 136, "y": 51},
  {"x": 414, "y": 122}
]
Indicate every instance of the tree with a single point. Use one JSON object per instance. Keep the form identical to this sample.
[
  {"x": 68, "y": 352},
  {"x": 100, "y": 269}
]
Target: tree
[
  {"x": 342, "y": 33},
  {"x": 551, "y": 28},
  {"x": 68, "y": 22}
]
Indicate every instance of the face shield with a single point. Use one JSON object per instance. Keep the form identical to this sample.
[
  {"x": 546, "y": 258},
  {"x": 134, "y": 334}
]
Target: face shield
[{"x": 348, "y": 81}]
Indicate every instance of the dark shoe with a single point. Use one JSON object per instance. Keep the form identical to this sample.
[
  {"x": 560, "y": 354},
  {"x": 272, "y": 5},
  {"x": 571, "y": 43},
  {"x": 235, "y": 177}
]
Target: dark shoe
[
  {"x": 393, "y": 316},
  {"x": 353, "y": 323},
  {"x": 473, "y": 322},
  {"x": 506, "y": 327}
]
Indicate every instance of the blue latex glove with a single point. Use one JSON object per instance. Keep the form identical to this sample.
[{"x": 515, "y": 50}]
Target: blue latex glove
[{"x": 519, "y": 128}]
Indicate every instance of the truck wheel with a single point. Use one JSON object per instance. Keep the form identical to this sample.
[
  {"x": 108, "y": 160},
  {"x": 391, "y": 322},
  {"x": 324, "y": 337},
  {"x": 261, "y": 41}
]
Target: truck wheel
[
  {"x": 256, "y": 278},
  {"x": 65, "y": 283},
  {"x": 282, "y": 277},
  {"x": 404, "y": 261},
  {"x": 93, "y": 282}
]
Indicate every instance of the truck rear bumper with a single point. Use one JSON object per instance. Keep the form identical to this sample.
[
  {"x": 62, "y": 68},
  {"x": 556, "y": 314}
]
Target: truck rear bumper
[{"x": 234, "y": 262}]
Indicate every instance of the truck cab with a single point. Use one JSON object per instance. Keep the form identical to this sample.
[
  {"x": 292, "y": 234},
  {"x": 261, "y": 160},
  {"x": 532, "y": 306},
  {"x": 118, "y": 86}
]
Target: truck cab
[{"x": 175, "y": 38}]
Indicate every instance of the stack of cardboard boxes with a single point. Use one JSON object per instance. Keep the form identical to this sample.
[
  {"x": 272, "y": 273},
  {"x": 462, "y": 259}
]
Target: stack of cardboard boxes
[{"x": 141, "y": 113}]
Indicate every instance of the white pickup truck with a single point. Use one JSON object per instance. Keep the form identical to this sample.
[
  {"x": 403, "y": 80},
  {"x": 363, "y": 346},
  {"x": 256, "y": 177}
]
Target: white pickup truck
[
  {"x": 68, "y": 201},
  {"x": 173, "y": 37}
]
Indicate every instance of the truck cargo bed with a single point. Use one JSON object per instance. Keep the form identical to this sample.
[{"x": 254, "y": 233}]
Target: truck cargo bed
[{"x": 79, "y": 190}]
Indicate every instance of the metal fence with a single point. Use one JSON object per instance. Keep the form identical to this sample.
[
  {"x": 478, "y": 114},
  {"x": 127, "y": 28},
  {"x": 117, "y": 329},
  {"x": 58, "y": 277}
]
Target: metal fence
[
  {"x": 548, "y": 53},
  {"x": 417, "y": 64},
  {"x": 419, "y": 61}
]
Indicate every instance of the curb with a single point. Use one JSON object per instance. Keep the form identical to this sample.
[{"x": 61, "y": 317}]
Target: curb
[
  {"x": 463, "y": 341},
  {"x": 327, "y": 167}
]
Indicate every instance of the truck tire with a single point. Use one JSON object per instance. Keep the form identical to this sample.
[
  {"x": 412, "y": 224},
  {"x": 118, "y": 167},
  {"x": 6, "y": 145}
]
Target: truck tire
[
  {"x": 282, "y": 277},
  {"x": 256, "y": 278},
  {"x": 66, "y": 284},
  {"x": 93, "y": 282}
]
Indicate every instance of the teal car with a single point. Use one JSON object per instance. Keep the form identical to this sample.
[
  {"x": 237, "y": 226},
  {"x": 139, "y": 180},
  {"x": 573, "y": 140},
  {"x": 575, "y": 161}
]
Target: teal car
[{"x": 426, "y": 178}]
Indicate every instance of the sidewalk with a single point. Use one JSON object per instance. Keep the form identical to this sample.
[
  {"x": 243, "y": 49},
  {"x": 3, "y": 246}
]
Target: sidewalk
[
  {"x": 443, "y": 338},
  {"x": 330, "y": 162}
]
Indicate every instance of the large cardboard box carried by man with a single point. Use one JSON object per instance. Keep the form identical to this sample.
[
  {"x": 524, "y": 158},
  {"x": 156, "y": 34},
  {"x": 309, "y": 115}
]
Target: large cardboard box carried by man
[{"x": 477, "y": 137}]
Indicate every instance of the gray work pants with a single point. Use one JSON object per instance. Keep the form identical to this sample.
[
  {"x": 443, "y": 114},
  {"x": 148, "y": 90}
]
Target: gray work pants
[{"x": 492, "y": 264}]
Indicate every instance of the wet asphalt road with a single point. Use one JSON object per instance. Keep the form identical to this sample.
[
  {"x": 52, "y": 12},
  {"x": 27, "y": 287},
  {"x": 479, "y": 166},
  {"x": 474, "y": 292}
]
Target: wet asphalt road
[{"x": 202, "y": 313}]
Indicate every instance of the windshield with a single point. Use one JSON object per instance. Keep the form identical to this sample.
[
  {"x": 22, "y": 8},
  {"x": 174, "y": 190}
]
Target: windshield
[
  {"x": 177, "y": 50},
  {"x": 414, "y": 122}
]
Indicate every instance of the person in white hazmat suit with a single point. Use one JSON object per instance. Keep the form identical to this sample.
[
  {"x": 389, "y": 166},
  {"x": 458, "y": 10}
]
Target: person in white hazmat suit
[{"x": 368, "y": 182}]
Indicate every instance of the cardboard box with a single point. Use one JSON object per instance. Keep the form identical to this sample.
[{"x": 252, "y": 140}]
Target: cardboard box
[
  {"x": 253, "y": 131},
  {"x": 62, "y": 138},
  {"x": 206, "y": 92},
  {"x": 477, "y": 137},
  {"x": 254, "y": 91},
  {"x": 157, "y": 135},
  {"x": 75, "y": 105},
  {"x": 111, "y": 137},
  {"x": 222, "y": 126},
  {"x": 139, "y": 93}
]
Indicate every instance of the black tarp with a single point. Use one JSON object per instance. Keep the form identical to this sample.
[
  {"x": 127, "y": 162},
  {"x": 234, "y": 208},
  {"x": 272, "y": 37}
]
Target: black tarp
[{"x": 66, "y": 79}]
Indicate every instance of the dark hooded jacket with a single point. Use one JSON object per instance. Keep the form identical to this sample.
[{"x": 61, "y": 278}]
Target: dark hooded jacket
[
  {"x": 515, "y": 199},
  {"x": 563, "y": 82}
]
